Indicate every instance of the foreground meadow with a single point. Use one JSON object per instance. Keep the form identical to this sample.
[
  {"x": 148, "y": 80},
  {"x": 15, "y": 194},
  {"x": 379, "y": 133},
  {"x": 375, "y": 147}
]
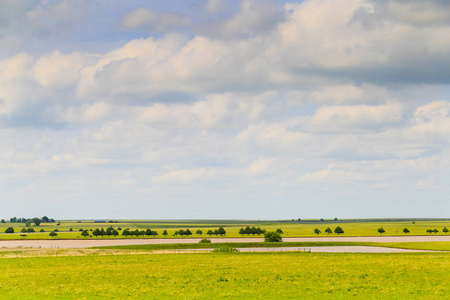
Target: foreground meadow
[{"x": 228, "y": 275}]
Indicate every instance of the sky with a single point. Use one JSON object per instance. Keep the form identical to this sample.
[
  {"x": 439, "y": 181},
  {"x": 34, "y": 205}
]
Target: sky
[{"x": 214, "y": 109}]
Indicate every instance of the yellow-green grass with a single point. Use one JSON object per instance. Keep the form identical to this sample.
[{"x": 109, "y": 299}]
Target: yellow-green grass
[
  {"x": 290, "y": 229},
  {"x": 434, "y": 246},
  {"x": 151, "y": 247},
  {"x": 232, "y": 276}
]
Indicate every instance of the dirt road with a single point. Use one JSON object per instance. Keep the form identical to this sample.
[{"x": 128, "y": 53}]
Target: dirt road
[{"x": 132, "y": 241}]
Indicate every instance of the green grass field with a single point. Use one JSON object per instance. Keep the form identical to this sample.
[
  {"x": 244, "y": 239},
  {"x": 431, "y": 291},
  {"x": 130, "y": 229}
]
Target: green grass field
[
  {"x": 222, "y": 275},
  {"x": 290, "y": 229}
]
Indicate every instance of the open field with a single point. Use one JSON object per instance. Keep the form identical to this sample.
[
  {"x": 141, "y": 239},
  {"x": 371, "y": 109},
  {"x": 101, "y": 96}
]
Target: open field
[
  {"x": 236, "y": 275},
  {"x": 290, "y": 229}
]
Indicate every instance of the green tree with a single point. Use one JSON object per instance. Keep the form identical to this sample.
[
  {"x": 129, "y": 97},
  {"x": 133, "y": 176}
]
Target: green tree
[
  {"x": 241, "y": 231},
  {"x": 9, "y": 230},
  {"x": 96, "y": 232},
  {"x": 221, "y": 231},
  {"x": 279, "y": 231},
  {"x": 148, "y": 232},
  {"x": 381, "y": 230},
  {"x": 445, "y": 230},
  {"x": 328, "y": 230},
  {"x": 70, "y": 229},
  {"x": 115, "y": 233},
  {"x": 53, "y": 234},
  {"x": 85, "y": 233},
  {"x": 42, "y": 230},
  {"x": 247, "y": 230},
  {"x": 209, "y": 232},
  {"x": 165, "y": 233},
  {"x": 37, "y": 221},
  {"x": 406, "y": 230},
  {"x": 199, "y": 232},
  {"x": 28, "y": 223},
  {"x": 188, "y": 232},
  {"x": 272, "y": 236},
  {"x": 338, "y": 230},
  {"x": 317, "y": 231},
  {"x": 3, "y": 221},
  {"x": 24, "y": 230}
]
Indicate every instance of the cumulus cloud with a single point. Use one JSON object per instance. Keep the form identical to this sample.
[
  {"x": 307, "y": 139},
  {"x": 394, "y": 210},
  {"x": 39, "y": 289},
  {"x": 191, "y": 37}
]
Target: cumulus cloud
[
  {"x": 416, "y": 12},
  {"x": 215, "y": 6},
  {"x": 311, "y": 95},
  {"x": 254, "y": 17},
  {"x": 154, "y": 20},
  {"x": 55, "y": 19}
]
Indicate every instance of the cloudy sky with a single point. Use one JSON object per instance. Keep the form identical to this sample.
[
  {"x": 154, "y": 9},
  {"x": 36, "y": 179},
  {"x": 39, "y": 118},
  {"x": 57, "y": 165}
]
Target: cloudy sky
[{"x": 251, "y": 109}]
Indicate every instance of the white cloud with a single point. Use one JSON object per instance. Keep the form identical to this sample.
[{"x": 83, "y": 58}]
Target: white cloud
[
  {"x": 255, "y": 17},
  {"x": 311, "y": 95},
  {"x": 159, "y": 21},
  {"x": 215, "y": 6}
]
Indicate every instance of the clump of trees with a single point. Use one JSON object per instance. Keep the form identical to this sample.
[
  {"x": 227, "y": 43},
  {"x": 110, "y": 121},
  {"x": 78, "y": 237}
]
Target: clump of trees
[
  {"x": 430, "y": 231},
  {"x": 9, "y": 230},
  {"x": 272, "y": 237},
  {"x": 30, "y": 229},
  {"x": 101, "y": 232},
  {"x": 254, "y": 230},
  {"x": 216, "y": 232},
  {"x": 182, "y": 232},
  {"x": 137, "y": 232}
]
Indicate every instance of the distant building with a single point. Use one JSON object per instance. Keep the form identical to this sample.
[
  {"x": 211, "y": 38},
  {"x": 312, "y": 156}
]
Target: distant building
[{"x": 99, "y": 221}]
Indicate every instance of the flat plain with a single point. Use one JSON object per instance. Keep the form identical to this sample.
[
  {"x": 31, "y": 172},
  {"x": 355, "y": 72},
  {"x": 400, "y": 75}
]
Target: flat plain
[{"x": 228, "y": 275}]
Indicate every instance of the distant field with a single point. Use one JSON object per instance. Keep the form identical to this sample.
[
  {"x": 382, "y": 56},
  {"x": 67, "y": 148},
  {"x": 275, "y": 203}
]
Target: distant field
[
  {"x": 235, "y": 276},
  {"x": 291, "y": 229}
]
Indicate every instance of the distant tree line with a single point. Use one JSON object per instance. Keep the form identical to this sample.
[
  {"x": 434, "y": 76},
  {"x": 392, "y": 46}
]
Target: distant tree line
[
  {"x": 101, "y": 232},
  {"x": 138, "y": 232},
  {"x": 328, "y": 230},
  {"x": 221, "y": 231},
  {"x": 252, "y": 230},
  {"x": 37, "y": 221}
]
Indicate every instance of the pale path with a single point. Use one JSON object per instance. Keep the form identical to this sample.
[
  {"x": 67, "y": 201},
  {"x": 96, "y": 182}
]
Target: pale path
[
  {"x": 328, "y": 249},
  {"x": 129, "y": 241}
]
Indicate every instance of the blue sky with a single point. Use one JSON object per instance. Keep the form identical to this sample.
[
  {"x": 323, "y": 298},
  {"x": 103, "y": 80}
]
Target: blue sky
[{"x": 247, "y": 109}]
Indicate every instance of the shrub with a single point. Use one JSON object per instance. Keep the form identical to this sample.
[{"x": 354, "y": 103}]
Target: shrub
[
  {"x": 205, "y": 241},
  {"x": 272, "y": 236},
  {"x": 381, "y": 230},
  {"x": 226, "y": 249}
]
